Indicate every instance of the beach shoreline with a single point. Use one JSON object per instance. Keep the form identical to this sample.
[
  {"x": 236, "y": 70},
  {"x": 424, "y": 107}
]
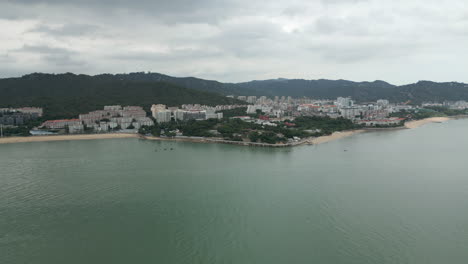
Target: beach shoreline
[
  {"x": 335, "y": 136},
  {"x": 307, "y": 141},
  {"x": 419, "y": 123}
]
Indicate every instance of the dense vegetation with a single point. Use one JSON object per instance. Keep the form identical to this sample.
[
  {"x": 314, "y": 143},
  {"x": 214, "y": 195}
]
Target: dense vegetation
[
  {"x": 188, "y": 82},
  {"x": 22, "y": 130},
  {"x": 325, "y": 124},
  {"x": 361, "y": 91},
  {"x": 327, "y": 89},
  {"x": 428, "y": 112},
  {"x": 67, "y": 95},
  {"x": 239, "y": 130},
  {"x": 447, "y": 111}
]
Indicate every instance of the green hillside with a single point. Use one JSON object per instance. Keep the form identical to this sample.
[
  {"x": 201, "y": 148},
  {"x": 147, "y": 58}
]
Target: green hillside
[
  {"x": 326, "y": 89},
  {"x": 67, "y": 95}
]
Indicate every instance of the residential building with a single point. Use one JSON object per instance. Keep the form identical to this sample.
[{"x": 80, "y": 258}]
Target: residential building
[{"x": 61, "y": 124}]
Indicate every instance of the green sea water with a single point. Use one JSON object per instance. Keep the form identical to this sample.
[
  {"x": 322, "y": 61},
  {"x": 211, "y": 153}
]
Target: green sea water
[{"x": 380, "y": 197}]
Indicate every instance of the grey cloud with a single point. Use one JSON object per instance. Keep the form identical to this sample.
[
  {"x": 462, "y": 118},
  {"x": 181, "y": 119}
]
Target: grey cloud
[
  {"x": 342, "y": 1},
  {"x": 234, "y": 39},
  {"x": 43, "y": 49},
  {"x": 4, "y": 58},
  {"x": 64, "y": 60},
  {"x": 53, "y": 55},
  {"x": 184, "y": 54},
  {"x": 109, "y": 4},
  {"x": 12, "y": 11},
  {"x": 255, "y": 39},
  {"x": 346, "y": 26},
  {"x": 174, "y": 11},
  {"x": 363, "y": 51},
  {"x": 66, "y": 30}
]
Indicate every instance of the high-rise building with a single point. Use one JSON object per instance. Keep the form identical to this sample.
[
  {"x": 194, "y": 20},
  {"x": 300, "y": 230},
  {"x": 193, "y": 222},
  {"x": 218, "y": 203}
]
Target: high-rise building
[
  {"x": 161, "y": 113},
  {"x": 344, "y": 102},
  {"x": 262, "y": 100},
  {"x": 251, "y": 99},
  {"x": 163, "y": 116}
]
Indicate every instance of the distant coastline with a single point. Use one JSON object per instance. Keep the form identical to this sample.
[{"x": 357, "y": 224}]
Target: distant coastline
[
  {"x": 7, "y": 140},
  {"x": 305, "y": 141}
]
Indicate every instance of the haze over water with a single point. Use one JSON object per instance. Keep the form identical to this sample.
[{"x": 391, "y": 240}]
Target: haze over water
[{"x": 391, "y": 197}]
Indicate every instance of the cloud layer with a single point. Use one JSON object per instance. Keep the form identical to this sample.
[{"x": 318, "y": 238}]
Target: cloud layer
[{"x": 238, "y": 40}]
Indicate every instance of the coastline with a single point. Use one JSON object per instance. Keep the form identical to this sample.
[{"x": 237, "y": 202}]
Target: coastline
[
  {"x": 334, "y": 136},
  {"x": 418, "y": 123},
  {"x": 9, "y": 140},
  {"x": 222, "y": 141},
  {"x": 307, "y": 141}
]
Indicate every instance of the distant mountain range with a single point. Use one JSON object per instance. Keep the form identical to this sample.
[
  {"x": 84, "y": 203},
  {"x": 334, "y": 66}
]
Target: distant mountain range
[
  {"x": 67, "y": 95},
  {"x": 326, "y": 89}
]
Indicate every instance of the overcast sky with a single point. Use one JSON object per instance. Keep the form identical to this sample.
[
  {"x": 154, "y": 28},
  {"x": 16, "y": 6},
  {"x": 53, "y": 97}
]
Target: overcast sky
[{"x": 400, "y": 41}]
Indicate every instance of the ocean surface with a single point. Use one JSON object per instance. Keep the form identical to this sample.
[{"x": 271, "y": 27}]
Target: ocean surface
[{"x": 380, "y": 197}]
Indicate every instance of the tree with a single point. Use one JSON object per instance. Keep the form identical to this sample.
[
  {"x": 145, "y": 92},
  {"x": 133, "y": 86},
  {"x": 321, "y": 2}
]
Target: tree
[{"x": 254, "y": 136}]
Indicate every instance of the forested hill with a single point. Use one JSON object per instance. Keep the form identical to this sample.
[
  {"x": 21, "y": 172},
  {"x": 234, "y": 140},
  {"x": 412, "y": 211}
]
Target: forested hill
[
  {"x": 361, "y": 91},
  {"x": 331, "y": 89},
  {"x": 327, "y": 89},
  {"x": 67, "y": 95},
  {"x": 433, "y": 91},
  {"x": 187, "y": 82}
]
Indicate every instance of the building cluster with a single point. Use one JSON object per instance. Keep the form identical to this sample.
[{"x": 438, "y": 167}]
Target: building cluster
[
  {"x": 375, "y": 113},
  {"x": 369, "y": 114},
  {"x": 19, "y": 116},
  {"x": 164, "y": 114},
  {"x": 381, "y": 122},
  {"x": 207, "y": 107},
  {"x": 74, "y": 125},
  {"x": 265, "y": 100},
  {"x": 37, "y": 111},
  {"x": 266, "y": 111},
  {"x": 114, "y": 117},
  {"x": 457, "y": 105},
  {"x": 276, "y": 107}
]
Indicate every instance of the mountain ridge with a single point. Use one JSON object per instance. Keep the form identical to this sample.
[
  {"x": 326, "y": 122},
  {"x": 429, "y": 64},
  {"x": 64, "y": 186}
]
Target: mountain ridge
[
  {"x": 418, "y": 92},
  {"x": 68, "y": 95},
  {"x": 73, "y": 89}
]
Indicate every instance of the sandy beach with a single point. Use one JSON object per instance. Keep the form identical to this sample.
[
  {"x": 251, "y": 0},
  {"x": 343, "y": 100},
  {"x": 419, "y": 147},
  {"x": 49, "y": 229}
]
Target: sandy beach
[
  {"x": 7, "y": 140},
  {"x": 418, "y": 123},
  {"x": 318, "y": 140},
  {"x": 334, "y": 136}
]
